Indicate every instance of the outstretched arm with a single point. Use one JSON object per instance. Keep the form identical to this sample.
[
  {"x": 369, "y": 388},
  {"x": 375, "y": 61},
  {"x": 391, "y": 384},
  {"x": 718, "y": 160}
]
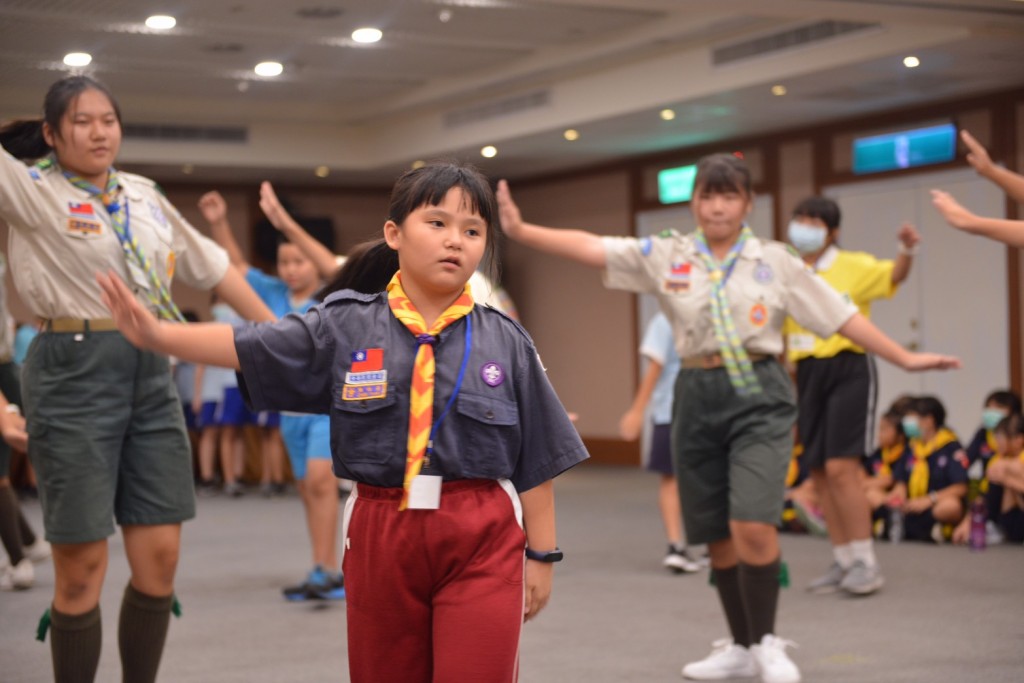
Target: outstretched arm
[
  {"x": 577, "y": 245},
  {"x": 207, "y": 343},
  {"x": 977, "y": 156},
  {"x": 215, "y": 211},
  {"x": 909, "y": 238},
  {"x": 237, "y": 293},
  {"x": 863, "y": 332},
  {"x": 323, "y": 258},
  {"x": 999, "y": 229}
]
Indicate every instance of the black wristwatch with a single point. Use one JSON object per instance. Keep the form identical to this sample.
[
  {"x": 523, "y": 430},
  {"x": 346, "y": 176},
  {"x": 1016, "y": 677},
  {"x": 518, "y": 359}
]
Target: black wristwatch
[{"x": 544, "y": 555}]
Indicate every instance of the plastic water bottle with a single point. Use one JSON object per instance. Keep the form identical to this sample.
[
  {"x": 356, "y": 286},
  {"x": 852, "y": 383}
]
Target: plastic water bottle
[
  {"x": 895, "y": 523},
  {"x": 979, "y": 515}
]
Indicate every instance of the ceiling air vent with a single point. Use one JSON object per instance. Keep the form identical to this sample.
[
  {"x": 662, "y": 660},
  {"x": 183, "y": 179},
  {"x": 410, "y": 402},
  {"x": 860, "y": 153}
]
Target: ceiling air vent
[
  {"x": 169, "y": 133},
  {"x": 785, "y": 40},
  {"x": 497, "y": 108}
]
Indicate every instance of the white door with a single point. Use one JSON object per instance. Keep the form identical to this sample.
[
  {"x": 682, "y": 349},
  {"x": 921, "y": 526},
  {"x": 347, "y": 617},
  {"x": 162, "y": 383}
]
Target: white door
[{"x": 956, "y": 299}]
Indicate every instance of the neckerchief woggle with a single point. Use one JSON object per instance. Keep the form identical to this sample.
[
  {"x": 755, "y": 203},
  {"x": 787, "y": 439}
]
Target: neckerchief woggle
[
  {"x": 734, "y": 356},
  {"x": 421, "y": 393},
  {"x": 120, "y": 220}
]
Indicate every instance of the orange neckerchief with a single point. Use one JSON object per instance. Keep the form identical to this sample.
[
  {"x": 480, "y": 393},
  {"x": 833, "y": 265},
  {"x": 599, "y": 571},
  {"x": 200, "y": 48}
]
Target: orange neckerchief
[
  {"x": 421, "y": 395},
  {"x": 918, "y": 484}
]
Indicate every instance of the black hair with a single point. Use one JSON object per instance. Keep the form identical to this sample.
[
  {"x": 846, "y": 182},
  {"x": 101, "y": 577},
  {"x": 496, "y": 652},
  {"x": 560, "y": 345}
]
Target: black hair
[
  {"x": 23, "y": 138},
  {"x": 720, "y": 173},
  {"x": 1005, "y": 399},
  {"x": 1010, "y": 426},
  {"x": 895, "y": 418},
  {"x": 901, "y": 405},
  {"x": 929, "y": 406},
  {"x": 371, "y": 265},
  {"x": 822, "y": 208}
]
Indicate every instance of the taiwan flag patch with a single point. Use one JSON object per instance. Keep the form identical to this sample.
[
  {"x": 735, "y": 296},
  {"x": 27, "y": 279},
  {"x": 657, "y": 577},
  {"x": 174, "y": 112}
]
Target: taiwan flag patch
[
  {"x": 80, "y": 210},
  {"x": 367, "y": 360}
]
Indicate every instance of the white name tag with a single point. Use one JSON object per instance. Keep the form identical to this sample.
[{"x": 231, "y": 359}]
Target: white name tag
[
  {"x": 801, "y": 342},
  {"x": 425, "y": 492}
]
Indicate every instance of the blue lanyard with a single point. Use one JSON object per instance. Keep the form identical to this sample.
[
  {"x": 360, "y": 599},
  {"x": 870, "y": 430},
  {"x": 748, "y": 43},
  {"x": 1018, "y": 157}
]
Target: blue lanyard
[
  {"x": 702, "y": 247},
  {"x": 458, "y": 385}
]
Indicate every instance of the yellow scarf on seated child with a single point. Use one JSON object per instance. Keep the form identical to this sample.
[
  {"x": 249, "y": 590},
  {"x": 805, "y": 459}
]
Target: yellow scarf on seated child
[
  {"x": 889, "y": 456},
  {"x": 918, "y": 484}
]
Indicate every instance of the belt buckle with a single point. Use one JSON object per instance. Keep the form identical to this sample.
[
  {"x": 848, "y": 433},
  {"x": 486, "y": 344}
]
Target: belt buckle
[{"x": 711, "y": 361}]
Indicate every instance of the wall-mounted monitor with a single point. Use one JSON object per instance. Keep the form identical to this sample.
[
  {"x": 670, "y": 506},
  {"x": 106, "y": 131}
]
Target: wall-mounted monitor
[
  {"x": 904, "y": 149},
  {"x": 675, "y": 185}
]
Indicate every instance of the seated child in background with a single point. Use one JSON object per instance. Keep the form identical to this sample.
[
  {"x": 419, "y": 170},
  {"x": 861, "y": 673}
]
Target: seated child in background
[
  {"x": 878, "y": 481},
  {"x": 1002, "y": 486},
  {"x": 932, "y": 482},
  {"x": 998, "y": 405}
]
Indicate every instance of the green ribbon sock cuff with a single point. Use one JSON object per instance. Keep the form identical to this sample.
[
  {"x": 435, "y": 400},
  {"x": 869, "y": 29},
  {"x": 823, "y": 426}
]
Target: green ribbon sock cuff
[
  {"x": 783, "y": 575},
  {"x": 43, "y": 627},
  {"x": 176, "y": 607}
]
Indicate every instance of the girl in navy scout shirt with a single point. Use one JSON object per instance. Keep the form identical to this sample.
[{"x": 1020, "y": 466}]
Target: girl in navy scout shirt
[{"x": 440, "y": 411}]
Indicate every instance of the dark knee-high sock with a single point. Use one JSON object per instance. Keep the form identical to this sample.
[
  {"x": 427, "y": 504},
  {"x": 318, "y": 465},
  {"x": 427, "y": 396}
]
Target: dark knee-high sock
[
  {"x": 75, "y": 642},
  {"x": 10, "y": 535},
  {"x": 28, "y": 537},
  {"x": 141, "y": 633},
  {"x": 727, "y": 581},
  {"x": 760, "y": 587}
]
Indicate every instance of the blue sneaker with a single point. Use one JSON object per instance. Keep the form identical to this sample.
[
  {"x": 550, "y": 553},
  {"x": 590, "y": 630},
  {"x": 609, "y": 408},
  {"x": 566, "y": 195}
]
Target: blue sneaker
[{"x": 319, "y": 585}]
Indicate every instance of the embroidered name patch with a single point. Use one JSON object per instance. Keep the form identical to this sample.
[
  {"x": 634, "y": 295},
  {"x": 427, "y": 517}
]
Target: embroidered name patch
[
  {"x": 79, "y": 226},
  {"x": 364, "y": 392}
]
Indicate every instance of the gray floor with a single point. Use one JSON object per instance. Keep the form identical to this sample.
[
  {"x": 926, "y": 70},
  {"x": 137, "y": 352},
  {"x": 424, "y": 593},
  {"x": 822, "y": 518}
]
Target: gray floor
[{"x": 946, "y": 614}]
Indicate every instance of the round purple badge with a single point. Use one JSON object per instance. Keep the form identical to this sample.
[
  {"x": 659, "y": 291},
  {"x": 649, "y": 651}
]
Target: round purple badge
[{"x": 492, "y": 373}]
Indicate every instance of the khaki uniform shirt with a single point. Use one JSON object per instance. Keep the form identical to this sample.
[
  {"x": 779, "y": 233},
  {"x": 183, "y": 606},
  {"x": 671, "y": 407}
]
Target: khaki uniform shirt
[
  {"x": 60, "y": 238},
  {"x": 6, "y": 323},
  {"x": 768, "y": 282}
]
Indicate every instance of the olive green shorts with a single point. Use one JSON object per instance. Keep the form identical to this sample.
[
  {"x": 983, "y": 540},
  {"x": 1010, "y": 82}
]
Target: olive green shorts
[
  {"x": 731, "y": 453},
  {"x": 10, "y": 385},
  {"x": 106, "y": 436}
]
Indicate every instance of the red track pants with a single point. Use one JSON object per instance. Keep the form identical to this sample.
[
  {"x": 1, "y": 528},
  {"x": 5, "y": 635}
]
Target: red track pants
[{"x": 434, "y": 596}]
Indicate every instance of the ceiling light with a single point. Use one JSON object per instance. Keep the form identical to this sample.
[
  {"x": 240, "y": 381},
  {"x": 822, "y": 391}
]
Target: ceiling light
[
  {"x": 77, "y": 59},
  {"x": 322, "y": 171},
  {"x": 419, "y": 163},
  {"x": 571, "y": 134},
  {"x": 367, "y": 35},
  {"x": 911, "y": 62},
  {"x": 269, "y": 69},
  {"x": 187, "y": 169},
  {"x": 779, "y": 90},
  {"x": 243, "y": 86},
  {"x": 489, "y": 152},
  {"x": 667, "y": 114},
  {"x": 161, "y": 22},
  {"x": 444, "y": 16}
]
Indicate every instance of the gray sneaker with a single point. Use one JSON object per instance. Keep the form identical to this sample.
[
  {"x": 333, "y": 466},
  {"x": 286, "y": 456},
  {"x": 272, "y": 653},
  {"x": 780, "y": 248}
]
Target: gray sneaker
[
  {"x": 829, "y": 581},
  {"x": 862, "y": 579}
]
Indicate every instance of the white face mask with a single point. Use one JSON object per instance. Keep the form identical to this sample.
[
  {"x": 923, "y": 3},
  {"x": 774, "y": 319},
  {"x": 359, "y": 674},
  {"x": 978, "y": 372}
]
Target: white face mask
[{"x": 807, "y": 239}]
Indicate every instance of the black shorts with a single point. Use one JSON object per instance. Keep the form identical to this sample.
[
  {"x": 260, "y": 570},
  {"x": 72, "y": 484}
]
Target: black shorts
[
  {"x": 837, "y": 398},
  {"x": 659, "y": 456}
]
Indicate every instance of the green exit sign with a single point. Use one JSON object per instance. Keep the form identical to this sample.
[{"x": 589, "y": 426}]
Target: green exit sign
[{"x": 676, "y": 184}]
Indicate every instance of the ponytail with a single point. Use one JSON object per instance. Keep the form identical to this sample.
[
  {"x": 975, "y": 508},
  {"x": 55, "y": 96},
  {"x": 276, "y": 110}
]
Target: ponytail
[
  {"x": 368, "y": 270},
  {"x": 23, "y": 139}
]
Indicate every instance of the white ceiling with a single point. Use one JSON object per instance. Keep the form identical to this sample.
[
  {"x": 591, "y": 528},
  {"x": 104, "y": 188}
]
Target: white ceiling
[{"x": 512, "y": 73}]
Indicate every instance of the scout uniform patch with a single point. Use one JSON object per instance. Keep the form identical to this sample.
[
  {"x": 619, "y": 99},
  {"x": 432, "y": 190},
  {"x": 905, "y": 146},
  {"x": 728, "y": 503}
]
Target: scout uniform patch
[
  {"x": 678, "y": 279},
  {"x": 82, "y": 219},
  {"x": 366, "y": 378}
]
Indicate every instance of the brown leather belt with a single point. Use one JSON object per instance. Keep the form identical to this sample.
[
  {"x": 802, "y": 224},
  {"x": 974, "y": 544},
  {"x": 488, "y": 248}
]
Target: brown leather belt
[
  {"x": 76, "y": 325},
  {"x": 710, "y": 361}
]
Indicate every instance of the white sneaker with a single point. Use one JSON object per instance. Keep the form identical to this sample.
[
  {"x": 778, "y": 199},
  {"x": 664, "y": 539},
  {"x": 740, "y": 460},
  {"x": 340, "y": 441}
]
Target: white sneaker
[
  {"x": 727, "y": 660},
  {"x": 19, "y": 577},
  {"x": 773, "y": 662},
  {"x": 38, "y": 551},
  {"x": 678, "y": 561}
]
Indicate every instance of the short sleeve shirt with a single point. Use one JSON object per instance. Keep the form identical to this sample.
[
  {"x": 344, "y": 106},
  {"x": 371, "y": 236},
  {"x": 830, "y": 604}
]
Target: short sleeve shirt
[
  {"x": 768, "y": 283},
  {"x": 505, "y": 423},
  {"x": 861, "y": 279},
  {"x": 61, "y": 237},
  {"x": 945, "y": 467},
  {"x": 275, "y": 293},
  {"x": 658, "y": 345}
]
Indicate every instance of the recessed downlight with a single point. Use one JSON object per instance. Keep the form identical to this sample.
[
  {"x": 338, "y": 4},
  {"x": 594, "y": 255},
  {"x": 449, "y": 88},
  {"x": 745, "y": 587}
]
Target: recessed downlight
[
  {"x": 419, "y": 163},
  {"x": 911, "y": 62},
  {"x": 571, "y": 135},
  {"x": 367, "y": 35},
  {"x": 489, "y": 152},
  {"x": 779, "y": 90},
  {"x": 78, "y": 59},
  {"x": 322, "y": 171},
  {"x": 161, "y": 22},
  {"x": 269, "y": 69},
  {"x": 667, "y": 114}
]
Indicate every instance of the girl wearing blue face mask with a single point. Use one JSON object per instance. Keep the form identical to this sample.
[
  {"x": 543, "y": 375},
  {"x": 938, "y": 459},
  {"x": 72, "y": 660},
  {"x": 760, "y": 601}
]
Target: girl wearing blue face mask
[
  {"x": 998, "y": 405},
  {"x": 931, "y": 483},
  {"x": 837, "y": 392}
]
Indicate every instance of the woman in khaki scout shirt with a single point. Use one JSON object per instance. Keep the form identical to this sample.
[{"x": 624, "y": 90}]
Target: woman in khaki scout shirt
[
  {"x": 106, "y": 433},
  {"x": 727, "y": 294}
]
